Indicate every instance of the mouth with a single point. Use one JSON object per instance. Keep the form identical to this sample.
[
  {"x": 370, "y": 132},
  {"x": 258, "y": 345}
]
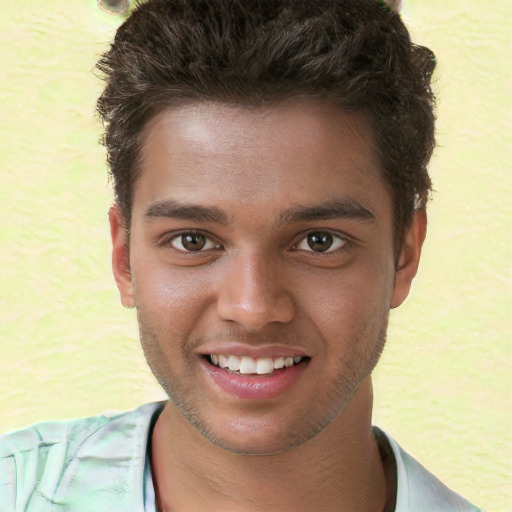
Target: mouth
[
  {"x": 254, "y": 372},
  {"x": 247, "y": 365}
]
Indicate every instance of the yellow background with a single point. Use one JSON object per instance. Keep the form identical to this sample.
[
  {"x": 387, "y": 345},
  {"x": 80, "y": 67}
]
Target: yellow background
[{"x": 443, "y": 387}]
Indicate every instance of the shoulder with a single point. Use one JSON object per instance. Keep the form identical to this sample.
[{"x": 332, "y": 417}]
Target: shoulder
[
  {"x": 419, "y": 490},
  {"x": 49, "y": 465}
]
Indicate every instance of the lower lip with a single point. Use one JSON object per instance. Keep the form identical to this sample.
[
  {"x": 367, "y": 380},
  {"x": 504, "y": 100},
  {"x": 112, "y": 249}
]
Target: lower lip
[{"x": 255, "y": 386}]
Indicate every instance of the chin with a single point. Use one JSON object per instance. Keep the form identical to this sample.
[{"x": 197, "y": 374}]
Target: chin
[
  {"x": 260, "y": 436},
  {"x": 255, "y": 447}
]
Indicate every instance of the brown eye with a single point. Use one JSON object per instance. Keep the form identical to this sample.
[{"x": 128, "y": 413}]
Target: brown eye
[
  {"x": 320, "y": 242},
  {"x": 193, "y": 242}
]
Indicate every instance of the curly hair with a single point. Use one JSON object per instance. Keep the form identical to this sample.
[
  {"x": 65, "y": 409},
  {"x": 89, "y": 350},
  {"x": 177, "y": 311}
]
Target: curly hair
[{"x": 357, "y": 55}]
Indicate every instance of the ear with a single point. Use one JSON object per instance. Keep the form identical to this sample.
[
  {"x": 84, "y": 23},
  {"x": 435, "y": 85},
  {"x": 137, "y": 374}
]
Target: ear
[
  {"x": 121, "y": 257},
  {"x": 409, "y": 258}
]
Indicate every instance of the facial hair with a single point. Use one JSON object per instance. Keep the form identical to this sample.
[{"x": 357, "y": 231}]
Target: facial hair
[{"x": 311, "y": 419}]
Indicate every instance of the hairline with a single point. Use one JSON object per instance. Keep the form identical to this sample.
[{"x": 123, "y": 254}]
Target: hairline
[{"x": 249, "y": 103}]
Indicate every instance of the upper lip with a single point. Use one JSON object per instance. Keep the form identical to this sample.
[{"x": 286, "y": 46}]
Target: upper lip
[{"x": 243, "y": 349}]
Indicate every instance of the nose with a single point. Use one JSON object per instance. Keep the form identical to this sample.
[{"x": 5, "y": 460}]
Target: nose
[{"x": 252, "y": 293}]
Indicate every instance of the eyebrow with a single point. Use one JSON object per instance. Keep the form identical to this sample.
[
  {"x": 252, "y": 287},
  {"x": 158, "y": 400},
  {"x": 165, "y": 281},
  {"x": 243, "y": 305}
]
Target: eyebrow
[
  {"x": 329, "y": 210},
  {"x": 298, "y": 213},
  {"x": 174, "y": 209}
]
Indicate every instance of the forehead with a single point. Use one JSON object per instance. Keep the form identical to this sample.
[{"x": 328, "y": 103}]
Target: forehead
[
  {"x": 292, "y": 153},
  {"x": 213, "y": 128}
]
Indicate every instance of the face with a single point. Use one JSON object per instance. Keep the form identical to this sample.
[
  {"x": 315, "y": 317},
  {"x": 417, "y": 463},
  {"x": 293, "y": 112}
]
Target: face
[{"x": 261, "y": 264}]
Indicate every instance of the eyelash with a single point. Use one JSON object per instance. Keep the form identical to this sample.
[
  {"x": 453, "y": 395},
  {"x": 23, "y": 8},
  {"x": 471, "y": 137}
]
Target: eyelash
[
  {"x": 329, "y": 252},
  {"x": 346, "y": 244},
  {"x": 168, "y": 242}
]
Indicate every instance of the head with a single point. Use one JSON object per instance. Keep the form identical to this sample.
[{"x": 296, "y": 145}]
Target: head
[
  {"x": 269, "y": 161},
  {"x": 354, "y": 56}
]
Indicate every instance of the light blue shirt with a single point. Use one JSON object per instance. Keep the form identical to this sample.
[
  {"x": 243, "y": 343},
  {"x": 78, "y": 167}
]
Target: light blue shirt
[{"x": 102, "y": 464}]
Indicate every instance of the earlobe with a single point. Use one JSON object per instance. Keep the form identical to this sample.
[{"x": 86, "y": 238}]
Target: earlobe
[
  {"x": 121, "y": 256},
  {"x": 409, "y": 258}
]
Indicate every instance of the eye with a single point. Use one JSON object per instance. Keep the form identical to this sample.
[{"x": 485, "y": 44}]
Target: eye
[
  {"x": 321, "y": 241},
  {"x": 193, "y": 242}
]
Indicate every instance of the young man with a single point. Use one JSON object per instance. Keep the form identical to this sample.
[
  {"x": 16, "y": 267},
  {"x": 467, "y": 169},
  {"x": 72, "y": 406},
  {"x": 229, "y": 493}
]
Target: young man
[{"x": 269, "y": 164}]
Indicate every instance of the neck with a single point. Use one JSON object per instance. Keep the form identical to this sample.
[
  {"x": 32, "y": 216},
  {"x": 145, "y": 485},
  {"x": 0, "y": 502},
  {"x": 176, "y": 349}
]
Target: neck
[{"x": 338, "y": 469}]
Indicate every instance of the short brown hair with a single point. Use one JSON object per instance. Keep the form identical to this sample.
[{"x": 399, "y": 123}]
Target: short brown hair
[{"x": 356, "y": 54}]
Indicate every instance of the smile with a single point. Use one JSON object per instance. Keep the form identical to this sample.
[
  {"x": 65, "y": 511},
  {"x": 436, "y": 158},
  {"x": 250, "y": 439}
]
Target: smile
[{"x": 246, "y": 365}]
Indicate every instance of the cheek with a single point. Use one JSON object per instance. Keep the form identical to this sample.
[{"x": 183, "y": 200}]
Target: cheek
[
  {"x": 174, "y": 296},
  {"x": 347, "y": 302},
  {"x": 364, "y": 280}
]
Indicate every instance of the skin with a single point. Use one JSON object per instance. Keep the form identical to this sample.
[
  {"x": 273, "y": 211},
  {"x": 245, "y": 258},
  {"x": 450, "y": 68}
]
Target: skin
[{"x": 266, "y": 178}]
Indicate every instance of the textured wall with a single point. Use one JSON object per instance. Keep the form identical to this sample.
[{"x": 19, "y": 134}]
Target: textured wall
[{"x": 443, "y": 388}]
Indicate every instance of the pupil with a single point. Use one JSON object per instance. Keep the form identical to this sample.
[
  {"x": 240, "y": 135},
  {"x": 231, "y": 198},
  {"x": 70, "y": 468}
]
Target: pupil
[
  {"x": 320, "y": 242},
  {"x": 193, "y": 242}
]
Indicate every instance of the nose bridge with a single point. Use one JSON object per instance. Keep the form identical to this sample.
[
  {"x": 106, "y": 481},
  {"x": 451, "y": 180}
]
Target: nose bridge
[{"x": 252, "y": 293}]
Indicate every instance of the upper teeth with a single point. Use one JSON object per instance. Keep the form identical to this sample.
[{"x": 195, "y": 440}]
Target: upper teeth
[{"x": 247, "y": 365}]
